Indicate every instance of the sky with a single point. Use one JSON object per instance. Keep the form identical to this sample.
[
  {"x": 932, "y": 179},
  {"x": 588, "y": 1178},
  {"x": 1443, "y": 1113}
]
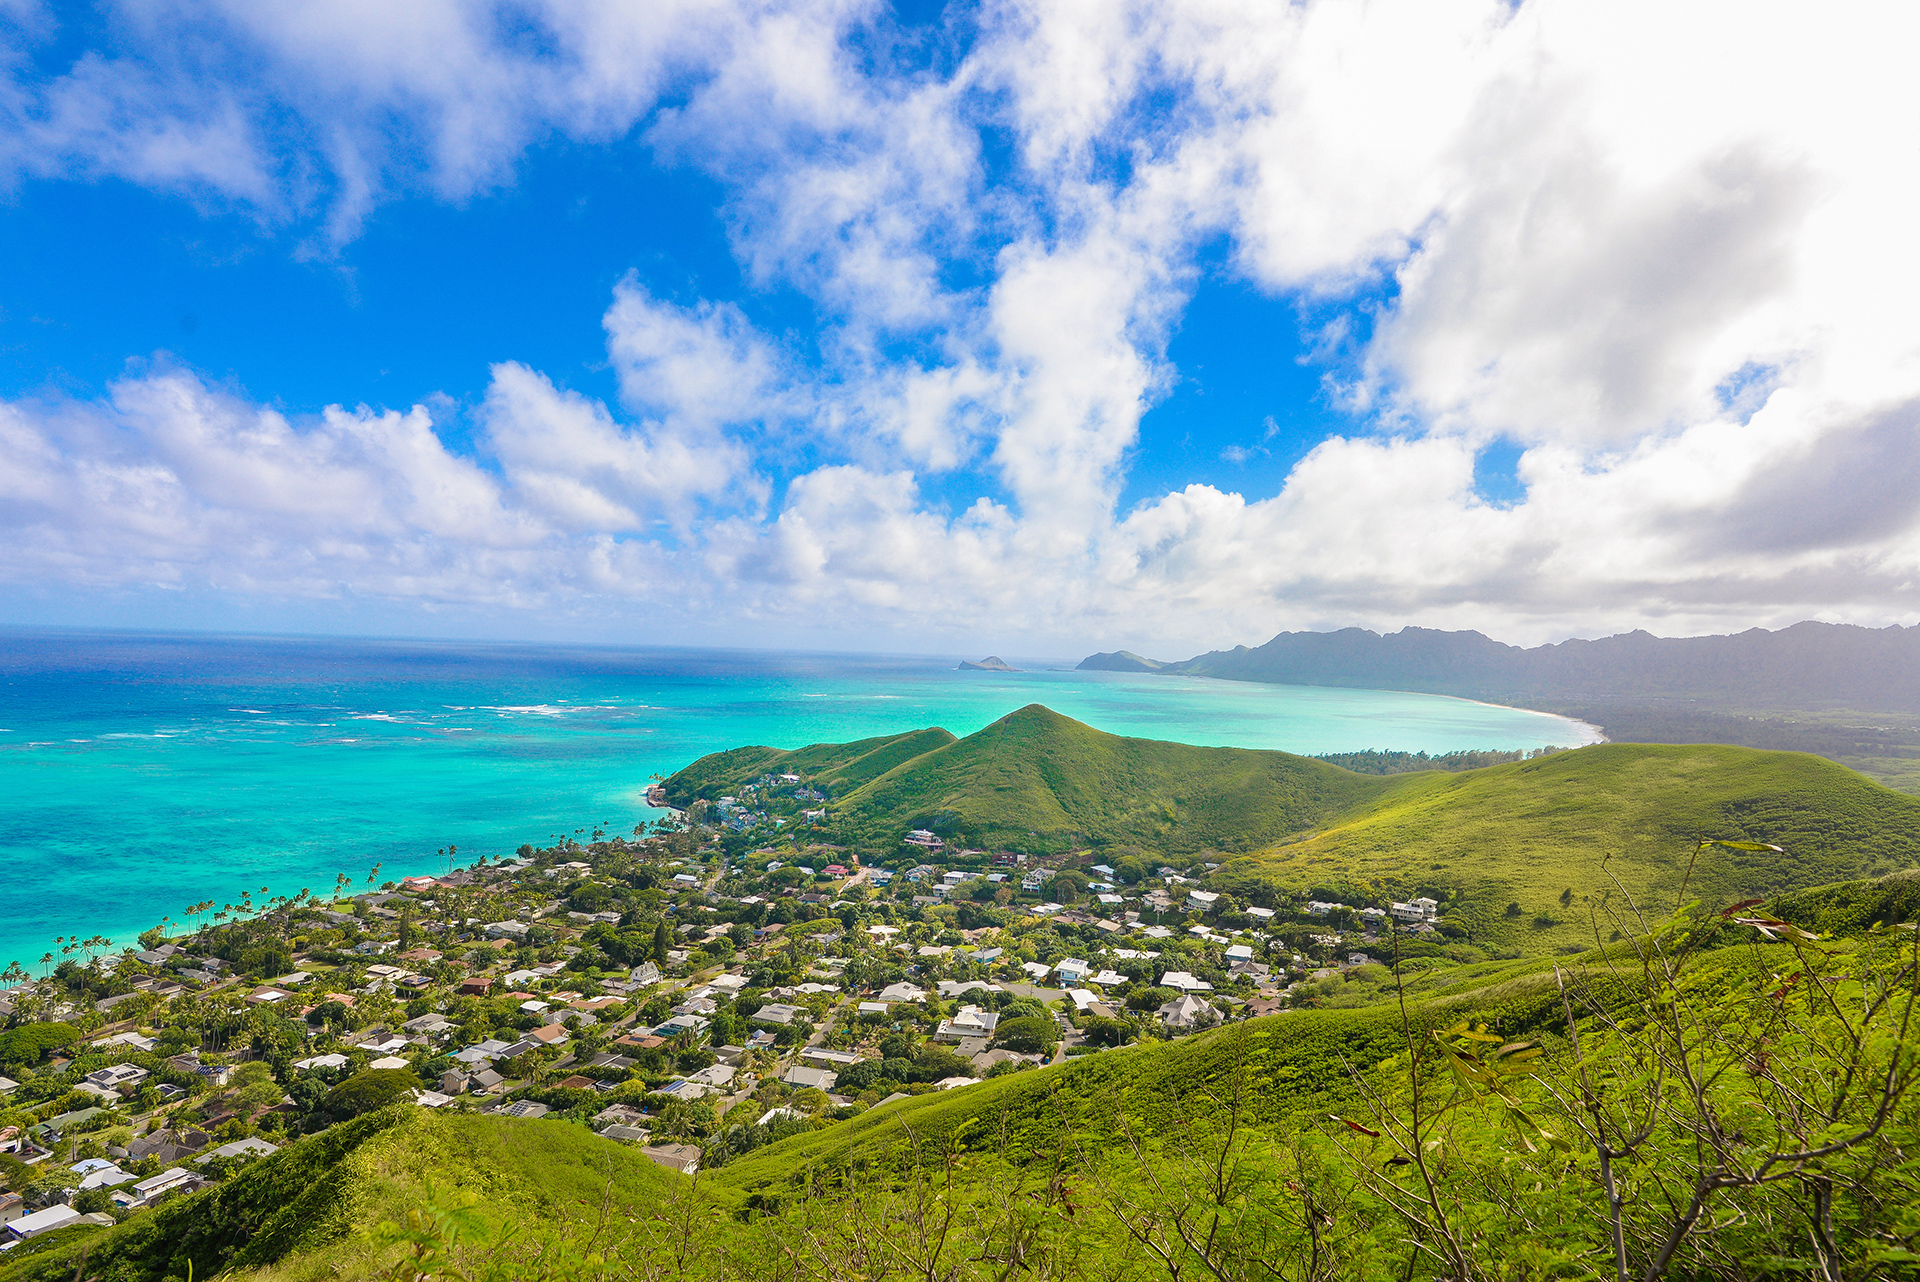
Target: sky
[{"x": 1021, "y": 326}]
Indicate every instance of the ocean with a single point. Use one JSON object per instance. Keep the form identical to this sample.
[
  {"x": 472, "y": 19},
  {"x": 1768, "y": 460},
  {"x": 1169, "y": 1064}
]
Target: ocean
[{"x": 140, "y": 773}]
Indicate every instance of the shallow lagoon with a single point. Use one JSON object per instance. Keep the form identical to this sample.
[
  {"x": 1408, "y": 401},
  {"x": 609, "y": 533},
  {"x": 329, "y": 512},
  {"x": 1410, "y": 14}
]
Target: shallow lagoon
[{"x": 141, "y": 773}]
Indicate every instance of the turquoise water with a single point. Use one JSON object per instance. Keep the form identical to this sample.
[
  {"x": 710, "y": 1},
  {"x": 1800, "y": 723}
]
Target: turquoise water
[{"x": 141, "y": 773}]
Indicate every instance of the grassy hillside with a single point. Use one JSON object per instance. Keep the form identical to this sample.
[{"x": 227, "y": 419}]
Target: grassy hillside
[
  {"x": 1063, "y": 1165},
  {"x": 1523, "y": 834},
  {"x": 1529, "y": 832},
  {"x": 304, "y": 1212},
  {"x": 1039, "y": 780},
  {"x": 837, "y": 766}
]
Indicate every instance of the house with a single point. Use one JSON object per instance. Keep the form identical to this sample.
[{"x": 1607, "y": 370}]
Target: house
[
  {"x": 1185, "y": 982},
  {"x": 645, "y": 973},
  {"x": 684, "y": 1158},
  {"x": 968, "y": 1021},
  {"x": 1240, "y": 952},
  {"x": 550, "y": 1035},
  {"x": 486, "y": 1080},
  {"x": 924, "y": 839},
  {"x": 824, "y": 1055},
  {"x": 778, "y": 1013},
  {"x": 169, "y": 1146},
  {"x": 508, "y": 929},
  {"x": 718, "y": 1076},
  {"x": 1206, "y": 899},
  {"x": 1072, "y": 970},
  {"x": 801, "y": 1076},
  {"x": 12, "y": 1207},
  {"x": 1320, "y": 908},
  {"x": 177, "y": 1180},
  {"x": 1264, "y": 914},
  {"x": 902, "y": 992},
  {"x": 1188, "y": 1011},
  {"x": 626, "y": 1134},
  {"x": 475, "y": 986},
  {"x": 1422, "y": 909},
  {"x": 480, "y": 1052},
  {"x": 54, "y": 1217},
  {"x": 135, "y": 1040},
  {"x": 98, "y": 1173},
  {"x": 684, "y": 1090},
  {"x": 453, "y": 1082},
  {"x": 524, "y": 1108},
  {"x": 121, "y": 1078},
  {"x": 619, "y": 1115}
]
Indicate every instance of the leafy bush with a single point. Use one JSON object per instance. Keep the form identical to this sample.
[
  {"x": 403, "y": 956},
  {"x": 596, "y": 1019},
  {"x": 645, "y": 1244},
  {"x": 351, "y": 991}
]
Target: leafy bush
[
  {"x": 364, "y": 1092},
  {"x": 1030, "y": 1035}
]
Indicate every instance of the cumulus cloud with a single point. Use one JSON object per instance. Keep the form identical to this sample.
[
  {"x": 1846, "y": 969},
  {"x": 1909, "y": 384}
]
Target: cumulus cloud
[{"x": 1663, "y": 251}]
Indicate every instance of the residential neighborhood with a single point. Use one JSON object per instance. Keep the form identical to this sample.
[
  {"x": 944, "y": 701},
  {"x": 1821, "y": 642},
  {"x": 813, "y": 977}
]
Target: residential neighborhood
[{"x": 706, "y": 987}]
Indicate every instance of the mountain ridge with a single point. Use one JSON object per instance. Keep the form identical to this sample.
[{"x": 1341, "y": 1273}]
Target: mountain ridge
[{"x": 1810, "y": 665}]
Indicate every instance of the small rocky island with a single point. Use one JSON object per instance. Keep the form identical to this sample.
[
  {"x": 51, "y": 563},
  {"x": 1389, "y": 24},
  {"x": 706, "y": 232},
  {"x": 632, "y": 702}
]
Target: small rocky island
[{"x": 993, "y": 663}]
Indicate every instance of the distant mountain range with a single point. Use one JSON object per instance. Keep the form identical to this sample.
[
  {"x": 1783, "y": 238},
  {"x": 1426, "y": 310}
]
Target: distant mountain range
[{"x": 1807, "y": 667}]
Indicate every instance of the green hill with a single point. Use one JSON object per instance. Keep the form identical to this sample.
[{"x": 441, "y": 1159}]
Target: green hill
[
  {"x": 1039, "y": 780},
  {"x": 839, "y": 767},
  {"x": 1528, "y": 833},
  {"x": 1523, "y": 834}
]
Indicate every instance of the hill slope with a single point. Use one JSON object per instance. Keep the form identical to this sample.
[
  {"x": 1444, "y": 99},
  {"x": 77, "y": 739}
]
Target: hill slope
[
  {"x": 1526, "y": 833},
  {"x": 1040, "y": 780},
  {"x": 1523, "y": 834}
]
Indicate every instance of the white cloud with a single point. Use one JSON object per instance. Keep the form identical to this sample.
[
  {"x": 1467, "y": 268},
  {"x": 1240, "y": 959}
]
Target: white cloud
[{"x": 1664, "y": 250}]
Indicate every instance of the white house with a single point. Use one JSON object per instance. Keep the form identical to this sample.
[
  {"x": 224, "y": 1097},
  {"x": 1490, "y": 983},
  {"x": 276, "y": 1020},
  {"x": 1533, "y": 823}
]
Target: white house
[
  {"x": 46, "y": 1221},
  {"x": 902, "y": 992},
  {"x": 967, "y": 1022},
  {"x": 165, "y": 1182},
  {"x": 1185, "y": 982}
]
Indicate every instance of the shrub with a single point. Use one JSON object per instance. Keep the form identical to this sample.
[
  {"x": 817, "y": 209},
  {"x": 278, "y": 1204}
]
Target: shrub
[
  {"x": 1030, "y": 1035},
  {"x": 365, "y": 1092}
]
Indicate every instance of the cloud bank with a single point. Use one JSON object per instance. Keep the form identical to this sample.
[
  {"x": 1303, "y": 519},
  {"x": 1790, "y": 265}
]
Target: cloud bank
[{"x": 1664, "y": 252}]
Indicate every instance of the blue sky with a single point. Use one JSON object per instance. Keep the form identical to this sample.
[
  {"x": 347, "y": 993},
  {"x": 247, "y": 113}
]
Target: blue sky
[{"x": 931, "y": 325}]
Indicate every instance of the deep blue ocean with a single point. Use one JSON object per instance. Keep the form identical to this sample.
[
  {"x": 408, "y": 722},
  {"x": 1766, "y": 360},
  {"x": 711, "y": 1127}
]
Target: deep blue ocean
[{"x": 140, "y": 773}]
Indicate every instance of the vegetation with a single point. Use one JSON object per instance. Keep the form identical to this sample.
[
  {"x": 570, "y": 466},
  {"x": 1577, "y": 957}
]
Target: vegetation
[
  {"x": 1037, "y": 778},
  {"x": 1521, "y": 1071},
  {"x": 1528, "y": 833},
  {"x": 1718, "y": 1094},
  {"x": 1480, "y": 841}
]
